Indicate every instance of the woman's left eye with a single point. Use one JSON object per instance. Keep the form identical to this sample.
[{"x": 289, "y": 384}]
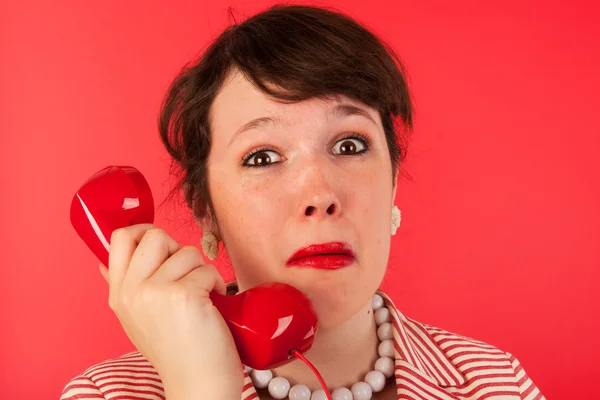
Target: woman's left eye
[{"x": 350, "y": 146}]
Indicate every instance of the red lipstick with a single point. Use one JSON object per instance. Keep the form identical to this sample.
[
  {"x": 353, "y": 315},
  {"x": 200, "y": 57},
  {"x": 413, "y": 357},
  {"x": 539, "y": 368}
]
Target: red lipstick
[{"x": 333, "y": 255}]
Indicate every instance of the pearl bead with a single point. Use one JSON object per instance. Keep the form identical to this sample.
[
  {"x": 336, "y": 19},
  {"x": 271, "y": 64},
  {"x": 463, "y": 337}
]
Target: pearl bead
[
  {"x": 386, "y": 348},
  {"x": 362, "y": 391},
  {"x": 385, "y": 365},
  {"x": 261, "y": 379},
  {"x": 384, "y": 331},
  {"x": 382, "y": 315},
  {"x": 377, "y": 302},
  {"x": 318, "y": 394},
  {"x": 299, "y": 392},
  {"x": 376, "y": 380},
  {"x": 279, "y": 387},
  {"x": 341, "y": 393}
]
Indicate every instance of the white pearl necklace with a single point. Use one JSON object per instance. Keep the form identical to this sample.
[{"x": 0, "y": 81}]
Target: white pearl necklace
[{"x": 374, "y": 381}]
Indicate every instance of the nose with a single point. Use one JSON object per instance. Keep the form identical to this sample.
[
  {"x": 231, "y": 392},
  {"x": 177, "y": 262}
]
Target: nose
[
  {"x": 322, "y": 207},
  {"x": 320, "y": 198}
]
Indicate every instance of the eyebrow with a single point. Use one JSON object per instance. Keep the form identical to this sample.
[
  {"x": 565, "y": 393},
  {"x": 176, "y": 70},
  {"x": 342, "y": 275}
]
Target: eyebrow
[{"x": 340, "y": 110}]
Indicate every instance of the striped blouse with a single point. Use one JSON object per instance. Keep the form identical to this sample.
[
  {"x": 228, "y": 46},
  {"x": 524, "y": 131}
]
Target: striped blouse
[{"x": 430, "y": 363}]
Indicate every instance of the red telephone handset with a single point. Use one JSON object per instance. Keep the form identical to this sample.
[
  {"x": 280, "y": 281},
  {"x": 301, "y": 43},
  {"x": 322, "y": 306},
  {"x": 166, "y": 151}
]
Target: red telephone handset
[{"x": 267, "y": 322}]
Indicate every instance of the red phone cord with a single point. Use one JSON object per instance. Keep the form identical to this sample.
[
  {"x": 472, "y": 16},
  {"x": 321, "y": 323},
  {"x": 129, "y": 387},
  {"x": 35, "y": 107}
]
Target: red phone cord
[{"x": 315, "y": 371}]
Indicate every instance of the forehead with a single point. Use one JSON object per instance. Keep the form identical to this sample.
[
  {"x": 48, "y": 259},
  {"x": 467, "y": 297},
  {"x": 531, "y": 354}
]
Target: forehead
[{"x": 239, "y": 101}]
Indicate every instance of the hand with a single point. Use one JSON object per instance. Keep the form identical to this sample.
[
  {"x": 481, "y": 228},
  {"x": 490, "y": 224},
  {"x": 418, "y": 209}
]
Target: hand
[{"x": 160, "y": 294}]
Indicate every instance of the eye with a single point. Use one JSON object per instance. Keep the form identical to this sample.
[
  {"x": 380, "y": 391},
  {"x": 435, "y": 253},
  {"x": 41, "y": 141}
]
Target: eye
[
  {"x": 350, "y": 146},
  {"x": 261, "y": 158}
]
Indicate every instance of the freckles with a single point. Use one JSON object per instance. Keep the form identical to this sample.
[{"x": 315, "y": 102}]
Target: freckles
[
  {"x": 264, "y": 193},
  {"x": 255, "y": 184}
]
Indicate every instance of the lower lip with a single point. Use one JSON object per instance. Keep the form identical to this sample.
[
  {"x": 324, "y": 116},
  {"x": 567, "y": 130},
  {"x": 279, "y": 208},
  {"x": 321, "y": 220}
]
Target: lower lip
[{"x": 330, "y": 261}]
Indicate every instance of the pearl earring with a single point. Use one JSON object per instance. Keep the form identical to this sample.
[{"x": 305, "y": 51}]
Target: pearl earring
[
  {"x": 396, "y": 217},
  {"x": 210, "y": 245}
]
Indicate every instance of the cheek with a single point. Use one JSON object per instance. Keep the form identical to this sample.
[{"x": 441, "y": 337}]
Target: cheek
[
  {"x": 250, "y": 224},
  {"x": 252, "y": 211},
  {"x": 372, "y": 199},
  {"x": 373, "y": 207}
]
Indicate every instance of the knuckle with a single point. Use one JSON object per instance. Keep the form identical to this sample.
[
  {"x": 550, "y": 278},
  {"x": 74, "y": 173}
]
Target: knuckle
[
  {"x": 193, "y": 255},
  {"x": 117, "y": 234},
  {"x": 213, "y": 272},
  {"x": 152, "y": 292},
  {"x": 112, "y": 303},
  {"x": 181, "y": 296},
  {"x": 210, "y": 268},
  {"x": 125, "y": 300},
  {"x": 156, "y": 232},
  {"x": 192, "y": 250},
  {"x": 115, "y": 302}
]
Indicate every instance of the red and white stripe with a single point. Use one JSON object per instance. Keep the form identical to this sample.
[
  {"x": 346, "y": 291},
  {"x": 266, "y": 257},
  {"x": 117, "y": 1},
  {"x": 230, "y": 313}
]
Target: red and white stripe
[{"x": 430, "y": 364}]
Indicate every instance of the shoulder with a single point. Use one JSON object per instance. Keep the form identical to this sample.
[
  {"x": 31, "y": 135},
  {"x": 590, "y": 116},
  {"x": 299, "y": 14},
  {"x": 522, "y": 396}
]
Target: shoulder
[
  {"x": 466, "y": 353},
  {"x": 486, "y": 364},
  {"x": 416, "y": 336},
  {"x": 470, "y": 358},
  {"x": 447, "y": 362},
  {"x": 450, "y": 341},
  {"x": 130, "y": 375}
]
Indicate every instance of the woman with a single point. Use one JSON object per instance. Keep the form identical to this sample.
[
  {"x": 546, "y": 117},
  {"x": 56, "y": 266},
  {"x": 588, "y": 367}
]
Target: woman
[{"x": 289, "y": 132}]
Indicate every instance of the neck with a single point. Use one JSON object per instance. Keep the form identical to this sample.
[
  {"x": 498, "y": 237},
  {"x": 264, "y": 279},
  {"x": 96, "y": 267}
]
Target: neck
[{"x": 342, "y": 354}]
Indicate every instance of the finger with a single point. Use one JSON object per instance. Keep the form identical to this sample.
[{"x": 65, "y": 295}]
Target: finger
[
  {"x": 123, "y": 243},
  {"x": 154, "y": 248},
  {"x": 103, "y": 271},
  {"x": 205, "y": 278},
  {"x": 179, "y": 264}
]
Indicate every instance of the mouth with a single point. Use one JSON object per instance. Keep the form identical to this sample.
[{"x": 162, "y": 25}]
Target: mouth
[{"x": 332, "y": 255}]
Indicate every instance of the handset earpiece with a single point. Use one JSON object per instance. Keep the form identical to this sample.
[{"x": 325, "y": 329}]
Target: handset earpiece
[
  {"x": 112, "y": 198},
  {"x": 268, "y": 322}
]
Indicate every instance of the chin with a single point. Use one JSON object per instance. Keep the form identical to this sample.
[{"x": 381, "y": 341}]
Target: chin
[
  {"x": 336, "y": 300},
  {"x": 333, "y": 315}
]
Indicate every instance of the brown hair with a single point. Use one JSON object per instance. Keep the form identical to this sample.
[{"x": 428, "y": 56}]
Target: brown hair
[{"x": 292, "y": 53}]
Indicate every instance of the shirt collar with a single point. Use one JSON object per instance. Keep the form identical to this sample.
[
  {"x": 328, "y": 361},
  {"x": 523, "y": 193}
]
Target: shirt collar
[{"x": 416, "y": 351}]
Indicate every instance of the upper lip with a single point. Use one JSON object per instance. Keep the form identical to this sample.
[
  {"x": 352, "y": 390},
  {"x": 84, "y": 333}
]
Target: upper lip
[{"x": 322, "y": 249}]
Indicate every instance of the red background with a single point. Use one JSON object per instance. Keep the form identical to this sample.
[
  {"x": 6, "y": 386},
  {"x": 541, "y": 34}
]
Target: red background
[{"x": 499, "y": 239}]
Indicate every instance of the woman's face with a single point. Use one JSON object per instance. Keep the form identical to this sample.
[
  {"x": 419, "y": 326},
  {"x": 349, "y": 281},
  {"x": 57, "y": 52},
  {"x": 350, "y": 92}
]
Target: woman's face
[{"x": 320, "y": 173}]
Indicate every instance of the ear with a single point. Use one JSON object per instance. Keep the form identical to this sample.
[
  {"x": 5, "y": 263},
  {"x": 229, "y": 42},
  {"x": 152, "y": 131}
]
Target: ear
[
  {"x": 204, "y": 218},
  {"x": 206, "y": 223}
]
